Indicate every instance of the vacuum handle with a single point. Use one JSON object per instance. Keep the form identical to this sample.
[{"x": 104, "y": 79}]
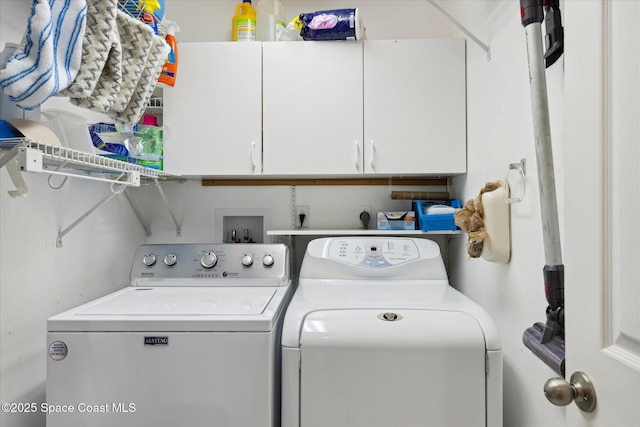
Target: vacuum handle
[
  {"x": 531, "y": 11},
  {"x": 554, "y": 285},
  {"x": 554, "y": 292}
]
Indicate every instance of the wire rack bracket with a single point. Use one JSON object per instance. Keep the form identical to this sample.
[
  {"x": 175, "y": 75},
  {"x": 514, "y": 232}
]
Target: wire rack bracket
[{"x": 54, "y": 160}]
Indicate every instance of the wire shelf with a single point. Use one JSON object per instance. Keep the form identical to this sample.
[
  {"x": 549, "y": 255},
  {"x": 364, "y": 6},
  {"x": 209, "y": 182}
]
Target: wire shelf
[
  {"x": 155, "y": 106},
  {"x": 28, "y": 155},
  {"x": 56, "y": 157}
]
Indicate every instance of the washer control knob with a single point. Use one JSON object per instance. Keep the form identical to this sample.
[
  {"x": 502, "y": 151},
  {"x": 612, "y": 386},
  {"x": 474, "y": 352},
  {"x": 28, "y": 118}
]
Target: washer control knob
[
  {"x": 208, "y": 260},
  {"x": 149, "y": 260},
  {"x": 170, "y": 260},
  {"x": 246, "y": 260},
  {"x": 267, "y": 260}
]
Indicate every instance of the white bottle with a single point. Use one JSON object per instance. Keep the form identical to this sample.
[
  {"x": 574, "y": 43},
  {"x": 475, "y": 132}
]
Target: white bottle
[{"x": 271, "y": 21}]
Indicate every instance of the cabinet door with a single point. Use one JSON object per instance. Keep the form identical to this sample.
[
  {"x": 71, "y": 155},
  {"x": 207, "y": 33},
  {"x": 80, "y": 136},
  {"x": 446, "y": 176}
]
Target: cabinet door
[
  {"x": 312, "y": 104},
  {"x": 213, "y": 113},
  {"x": 414, "y": 106}
]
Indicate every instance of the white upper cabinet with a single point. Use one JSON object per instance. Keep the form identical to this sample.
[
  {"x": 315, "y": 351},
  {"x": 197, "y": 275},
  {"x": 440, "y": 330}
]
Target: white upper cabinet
[
  {"x": 213, "y": 116},
  {"x": 396, "y": 108},
  {"x": 330, "y": 109},
  {"x": 414, "y": 107},
  {"x": 312, "y": 108}
]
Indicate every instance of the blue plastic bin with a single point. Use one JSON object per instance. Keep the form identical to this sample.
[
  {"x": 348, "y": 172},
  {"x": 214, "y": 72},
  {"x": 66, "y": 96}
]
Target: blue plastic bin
[{"x": 436, "y": 221}]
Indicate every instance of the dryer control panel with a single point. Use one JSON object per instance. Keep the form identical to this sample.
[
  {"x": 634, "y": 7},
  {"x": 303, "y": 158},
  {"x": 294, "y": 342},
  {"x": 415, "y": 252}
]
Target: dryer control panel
[
  {"x": 211, "y": 265},
  {"x": 373, "y": 258},
  {"x": 374, "y": 253}
]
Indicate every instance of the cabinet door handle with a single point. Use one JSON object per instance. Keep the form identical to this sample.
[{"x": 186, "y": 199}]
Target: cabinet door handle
[
  {"x": 372, "y": 155},
  {"x": 253, "y": 156},
  {"x": 357, "y": 161}
]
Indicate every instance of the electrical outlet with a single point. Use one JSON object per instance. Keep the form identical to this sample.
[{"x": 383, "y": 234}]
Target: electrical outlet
[
  {"x": 300, "y": 210},
  {"x": 360, "y": 209}
]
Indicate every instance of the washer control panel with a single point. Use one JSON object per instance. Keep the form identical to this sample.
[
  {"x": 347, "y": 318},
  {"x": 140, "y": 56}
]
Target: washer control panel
[
  {"x": 200, "y": 264},
  {"x": 373, "y": 252}
]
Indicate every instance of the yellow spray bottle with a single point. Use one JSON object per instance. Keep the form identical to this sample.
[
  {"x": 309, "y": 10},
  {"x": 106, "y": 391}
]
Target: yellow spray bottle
[
  {"x": 148, "y": 17},
  {"x": 244, "y": 23}
]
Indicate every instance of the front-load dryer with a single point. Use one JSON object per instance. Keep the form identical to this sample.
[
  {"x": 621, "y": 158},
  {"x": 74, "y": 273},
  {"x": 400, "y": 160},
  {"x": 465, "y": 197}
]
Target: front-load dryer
[
  {"x": 194, "y": 341},
  {"x": 375, "y": 336}
]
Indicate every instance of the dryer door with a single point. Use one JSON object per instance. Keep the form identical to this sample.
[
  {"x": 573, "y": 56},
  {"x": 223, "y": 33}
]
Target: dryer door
[{"x": 398, "y": 368}]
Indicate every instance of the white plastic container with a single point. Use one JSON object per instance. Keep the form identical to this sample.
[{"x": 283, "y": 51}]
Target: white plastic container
[
  {"x": 271, "y": 20},
  {"x": 71, "y": 129},
  {"x": 496, "y": 247}
]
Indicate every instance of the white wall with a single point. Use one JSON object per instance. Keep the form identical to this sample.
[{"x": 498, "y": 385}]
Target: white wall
[
  {"x": 96, "y": 256},
  {"x": 500, "y": 132}
]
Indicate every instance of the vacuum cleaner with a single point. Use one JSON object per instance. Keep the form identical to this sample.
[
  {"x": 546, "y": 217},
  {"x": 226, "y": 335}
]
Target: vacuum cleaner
[{"x": 546, "y": 340}]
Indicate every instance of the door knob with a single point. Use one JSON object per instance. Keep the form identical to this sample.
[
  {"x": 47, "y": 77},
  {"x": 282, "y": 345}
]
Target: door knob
[{"x": 580, "y": 389}]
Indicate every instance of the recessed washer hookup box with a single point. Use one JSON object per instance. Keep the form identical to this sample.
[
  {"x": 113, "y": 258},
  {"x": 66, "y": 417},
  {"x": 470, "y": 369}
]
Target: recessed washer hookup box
[{"x": 397, "y": 220}]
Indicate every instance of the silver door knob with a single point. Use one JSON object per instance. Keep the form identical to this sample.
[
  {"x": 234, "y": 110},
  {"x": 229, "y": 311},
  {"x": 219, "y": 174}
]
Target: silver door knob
[{"x": 580, "y": 389}]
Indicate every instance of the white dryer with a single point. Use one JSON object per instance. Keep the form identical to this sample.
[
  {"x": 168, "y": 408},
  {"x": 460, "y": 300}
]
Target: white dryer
[
  {"x": 375, "y": 336},
  {"x": 193, "y": 342}
]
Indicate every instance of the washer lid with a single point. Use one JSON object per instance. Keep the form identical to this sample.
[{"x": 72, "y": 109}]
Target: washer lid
[
  {"x": 190, "y": 309},
  {"x": 182, "y": 302}
]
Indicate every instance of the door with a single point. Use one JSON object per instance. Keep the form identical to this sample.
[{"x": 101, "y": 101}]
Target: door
[
  {"x": 421, "y": 368},
  {"x": 312, "y": 104},
  {"x": 415, "y": 107},
  {"x": 212, "y": 116},
  {"x": 602, "y": 243}
]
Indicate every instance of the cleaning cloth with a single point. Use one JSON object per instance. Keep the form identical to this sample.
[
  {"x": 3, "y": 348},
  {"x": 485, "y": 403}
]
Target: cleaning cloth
[
  {"x": 439, "y": 210},
  {"x": 147, "y": 83},
  {"x": 137, "y": 55},
  {"x": 49, "y": 56},
  {"x": 109, "y": 82},
  {"x": 99, "y": 42},
  {"x": 136, "y": 38}
]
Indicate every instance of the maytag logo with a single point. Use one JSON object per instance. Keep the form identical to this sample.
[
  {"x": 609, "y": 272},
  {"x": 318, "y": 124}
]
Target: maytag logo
[{"x": 156, "y": 340}]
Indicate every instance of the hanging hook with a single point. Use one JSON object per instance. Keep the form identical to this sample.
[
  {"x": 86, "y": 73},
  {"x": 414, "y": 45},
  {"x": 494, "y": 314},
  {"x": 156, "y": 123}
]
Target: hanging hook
[
  {"x": 56, "y": 187},
  {"x": 521, "y": 170},
  {"x": 50, "y": 179},
  {"x": 117, "y": 187}
]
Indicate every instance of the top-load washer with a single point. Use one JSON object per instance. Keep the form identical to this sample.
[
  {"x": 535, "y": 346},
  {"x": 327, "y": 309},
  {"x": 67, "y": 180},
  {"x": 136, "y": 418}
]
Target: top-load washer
[
  {"x": 193, "y": 342},
  {"x": 375, "y": 336}
]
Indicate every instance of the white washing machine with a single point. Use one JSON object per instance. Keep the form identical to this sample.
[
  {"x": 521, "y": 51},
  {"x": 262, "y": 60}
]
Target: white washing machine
[
  {"x": 375, "y": 336},
  {"x": 193, "y": 342}
]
